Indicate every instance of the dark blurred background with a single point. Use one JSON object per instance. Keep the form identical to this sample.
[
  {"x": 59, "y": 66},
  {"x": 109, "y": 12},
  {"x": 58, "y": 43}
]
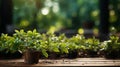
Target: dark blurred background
[{"x": 94, "y": 17}]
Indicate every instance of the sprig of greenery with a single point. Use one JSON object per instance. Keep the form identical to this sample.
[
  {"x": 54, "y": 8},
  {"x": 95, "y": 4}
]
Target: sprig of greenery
[{"x": 92, "y": 44}]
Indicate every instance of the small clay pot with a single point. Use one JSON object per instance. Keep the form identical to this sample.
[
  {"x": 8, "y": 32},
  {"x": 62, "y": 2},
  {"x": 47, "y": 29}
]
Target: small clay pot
[{"x": 31, "y": 56}]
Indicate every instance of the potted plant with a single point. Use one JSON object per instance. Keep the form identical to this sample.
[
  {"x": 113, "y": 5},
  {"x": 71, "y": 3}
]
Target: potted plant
[
  {"x": 63, "y": 45},
  {"x": 79, "y": 41},
  {"x": 53, "y": 45},
  {"x": 73, "y": 52},
  {"x": 112, "y": 49},
  {"x": 73, "y": 47},
  {"x": 92, "y": 47},
  {"x": 30, "y": 45},
  {"x": 8, "y": 48}
]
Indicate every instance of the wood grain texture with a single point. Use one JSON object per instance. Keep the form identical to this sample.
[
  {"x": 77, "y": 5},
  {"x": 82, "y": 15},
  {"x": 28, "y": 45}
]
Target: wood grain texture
[{"x": 83, "y": 62}]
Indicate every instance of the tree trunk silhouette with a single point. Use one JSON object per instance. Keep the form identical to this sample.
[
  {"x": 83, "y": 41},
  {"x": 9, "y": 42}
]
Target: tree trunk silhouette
[
  {"x": 6, "y": 7},
  {"x": 104, "y": 19}
]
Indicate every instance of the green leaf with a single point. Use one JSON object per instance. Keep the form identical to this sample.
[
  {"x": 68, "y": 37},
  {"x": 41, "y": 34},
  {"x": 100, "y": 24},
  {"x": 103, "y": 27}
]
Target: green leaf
[
  {"x": 56, "y": 50},
  {"x": 34, "y": 31},
  {"x": 65, "y": 50},
  {"x": 44, "y": 53},
  {"x": 16, "y": 31}
]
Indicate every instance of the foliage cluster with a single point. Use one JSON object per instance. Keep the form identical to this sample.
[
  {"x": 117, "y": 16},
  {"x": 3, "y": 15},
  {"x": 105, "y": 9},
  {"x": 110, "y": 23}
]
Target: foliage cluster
[{"x": 49, "y": 42}]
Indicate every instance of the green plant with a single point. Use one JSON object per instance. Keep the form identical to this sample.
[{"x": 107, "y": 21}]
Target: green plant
[
  {"x": 63, "y": 43},
  {"x": 53, "y": 43},
  {"x": 72, "y": 46},
  {"x": 92, "y": 47},
  {"x": 7, "y": 44},
  {"x": 19, "y": 39},
  {"x": 112, "y": 47},
  {"x": 30, "y": 40},
  {"x": 112, "y": 44},
  {"x": 93, "y": 44},
  {"x": 79, "y": 40}
]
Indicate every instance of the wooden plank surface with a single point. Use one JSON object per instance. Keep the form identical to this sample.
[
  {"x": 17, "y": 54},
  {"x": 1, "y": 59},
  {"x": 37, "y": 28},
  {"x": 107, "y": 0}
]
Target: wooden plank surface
[{"x": 84, "y": 62}]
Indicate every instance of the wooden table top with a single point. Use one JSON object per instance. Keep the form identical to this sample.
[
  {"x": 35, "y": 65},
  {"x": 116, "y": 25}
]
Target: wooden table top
[{"x": 83, "y": 62}]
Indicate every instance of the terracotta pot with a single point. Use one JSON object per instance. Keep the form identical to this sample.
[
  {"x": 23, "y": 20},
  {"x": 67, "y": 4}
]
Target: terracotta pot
[{"x": 31, "y": 56}]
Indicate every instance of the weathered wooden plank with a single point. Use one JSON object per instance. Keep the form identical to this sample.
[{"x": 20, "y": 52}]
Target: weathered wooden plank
[{"x": 62, "y": 62}]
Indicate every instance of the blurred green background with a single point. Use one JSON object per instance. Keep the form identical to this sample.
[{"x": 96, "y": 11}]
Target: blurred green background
[
  {"x": 57, "y": 14},
  {"x": 61, "y": 14}
]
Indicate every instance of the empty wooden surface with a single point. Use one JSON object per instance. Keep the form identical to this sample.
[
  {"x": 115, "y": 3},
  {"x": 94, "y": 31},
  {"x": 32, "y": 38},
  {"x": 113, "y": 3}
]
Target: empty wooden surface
[{"x": 83, "y": 62}]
